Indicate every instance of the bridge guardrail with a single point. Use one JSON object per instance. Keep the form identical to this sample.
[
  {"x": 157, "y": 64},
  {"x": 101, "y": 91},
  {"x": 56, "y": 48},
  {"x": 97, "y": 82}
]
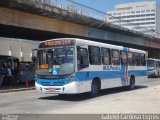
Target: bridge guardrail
[{"x": 77, "y": 8}]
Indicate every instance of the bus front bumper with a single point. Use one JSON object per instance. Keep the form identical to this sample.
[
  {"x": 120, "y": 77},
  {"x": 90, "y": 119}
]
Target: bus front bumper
[{"x": 70, "y": 88}]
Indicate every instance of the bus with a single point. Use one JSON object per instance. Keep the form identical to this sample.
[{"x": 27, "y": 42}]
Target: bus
[
  {"x": 153, "y": 66},
  {"x": 73, "y": 66}
]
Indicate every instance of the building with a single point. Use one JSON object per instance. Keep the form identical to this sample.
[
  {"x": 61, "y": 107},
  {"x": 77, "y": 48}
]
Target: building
[
  {"x": 141, "y": 16},
  {"x": 19, "y": 48}
]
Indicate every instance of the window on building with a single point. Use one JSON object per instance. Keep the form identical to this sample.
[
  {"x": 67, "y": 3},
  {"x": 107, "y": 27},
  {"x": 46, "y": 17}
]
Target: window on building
[
  {"x": 133, "y": 12},
  {"x": 94, "y": 55},
  {"x": 152, "y": 10},
  {"x": 105, "y": 56},
  {"x": 143, "y": 19},
  {"x": 142, "y": 11},
  {"x": 138, "y": 19},
  {"x": 153, "y": 23},
  {"x": 138, "y": 15},
  {"x": 137, "y": 11},
  {"x": 143, "y": 15},
  {"x": 115, "y": 57},
  {"x": 152, "y": 15},
  {"x": 147, "y": 10},
  {"x": 143, "y": 23}
]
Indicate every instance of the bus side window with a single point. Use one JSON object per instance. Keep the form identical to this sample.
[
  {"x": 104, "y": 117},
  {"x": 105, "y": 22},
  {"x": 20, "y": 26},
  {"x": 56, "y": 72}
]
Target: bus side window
[
  {"x": 115, "y": 57},
  {"x": 143, "y": 60},
  {"x": 106, "y": 57},
  {"x": 131, "y": 58},
  {"x": 124, "y": 57},
  {"x": 137, "y": 59},
  {"x": 94, "y": 55},
  {"x": 82, "y": 58}
]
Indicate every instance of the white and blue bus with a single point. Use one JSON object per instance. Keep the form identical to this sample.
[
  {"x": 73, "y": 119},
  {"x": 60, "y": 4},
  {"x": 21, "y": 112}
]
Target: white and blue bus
[
  {"x": 73, "y": 66},
  {"x": 153, "y": 66}
]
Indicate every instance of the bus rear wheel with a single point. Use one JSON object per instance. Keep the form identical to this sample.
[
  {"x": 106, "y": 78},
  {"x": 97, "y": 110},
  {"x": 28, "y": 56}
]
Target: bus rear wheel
[
  {"x": 94, "y": 88},
  {"x": 132, "y": 83}
]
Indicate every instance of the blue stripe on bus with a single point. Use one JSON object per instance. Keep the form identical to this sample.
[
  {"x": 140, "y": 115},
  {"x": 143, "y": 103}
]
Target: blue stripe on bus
[
  {"x": 125, "y": 48},
  {"x": 107, "y": 74},
  {"x": 52, "y": 82},
  {"x": 88, "y": 76}
]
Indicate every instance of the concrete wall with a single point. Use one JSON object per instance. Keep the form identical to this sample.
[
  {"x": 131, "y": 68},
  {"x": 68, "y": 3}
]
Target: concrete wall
[
  {"x": 154, "y": 54},
  {"x": 27, "y": 20},
  {"x": 17, "y": 48},
  {"x": 106, "y": 35}
]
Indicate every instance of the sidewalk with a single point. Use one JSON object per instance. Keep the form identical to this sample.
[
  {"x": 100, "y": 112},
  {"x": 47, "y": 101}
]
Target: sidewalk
[{"x": 15, "y": 89}]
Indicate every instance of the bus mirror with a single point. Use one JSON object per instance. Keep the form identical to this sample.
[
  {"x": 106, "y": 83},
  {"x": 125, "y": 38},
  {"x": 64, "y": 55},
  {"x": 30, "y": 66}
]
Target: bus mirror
[
  {"x": 78, "y": 47},
  {"x": 34, "y": 58}
]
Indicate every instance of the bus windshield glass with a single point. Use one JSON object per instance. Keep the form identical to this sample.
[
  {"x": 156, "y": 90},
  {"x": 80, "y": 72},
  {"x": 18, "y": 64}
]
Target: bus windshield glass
[
  {"x": 63, "y": 57},
  {"x": 151, "y": 64}
]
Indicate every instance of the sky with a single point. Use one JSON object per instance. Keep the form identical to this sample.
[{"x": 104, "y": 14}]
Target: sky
[{"x": 104, "y": 5}]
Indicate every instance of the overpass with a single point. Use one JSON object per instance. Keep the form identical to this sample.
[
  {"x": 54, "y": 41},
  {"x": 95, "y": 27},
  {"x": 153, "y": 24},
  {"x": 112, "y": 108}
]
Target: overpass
[{"x": 43, "y": 19}]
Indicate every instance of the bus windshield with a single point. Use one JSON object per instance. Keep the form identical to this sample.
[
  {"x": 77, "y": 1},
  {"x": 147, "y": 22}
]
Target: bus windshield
[
  {"x": 151, "y": 64},
  {"x": 57, "y": 56}
]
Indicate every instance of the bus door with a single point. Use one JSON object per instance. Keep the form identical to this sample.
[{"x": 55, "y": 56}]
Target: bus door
[{"x": 82, "y": 73}]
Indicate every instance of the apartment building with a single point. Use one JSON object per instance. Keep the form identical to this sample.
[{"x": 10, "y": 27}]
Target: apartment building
[{"x": 141, "y": 16}]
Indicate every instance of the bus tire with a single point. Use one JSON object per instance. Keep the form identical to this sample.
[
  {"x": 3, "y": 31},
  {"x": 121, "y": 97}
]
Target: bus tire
[
  {"x": 94, "y": 88},
  {"x": 132, "y": 83},
  {"x": 5, "y": 81}
]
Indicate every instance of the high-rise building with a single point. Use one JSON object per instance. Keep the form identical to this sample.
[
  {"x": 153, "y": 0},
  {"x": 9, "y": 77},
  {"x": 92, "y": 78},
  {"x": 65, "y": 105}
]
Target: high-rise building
[{"x": 141, "y": 16}]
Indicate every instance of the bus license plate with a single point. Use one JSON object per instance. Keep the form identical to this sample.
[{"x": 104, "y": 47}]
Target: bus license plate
[{"x": 51, "y": 89}]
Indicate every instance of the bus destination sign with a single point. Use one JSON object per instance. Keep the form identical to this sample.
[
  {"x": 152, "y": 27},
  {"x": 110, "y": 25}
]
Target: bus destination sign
[{"x": 57, "y": 43}]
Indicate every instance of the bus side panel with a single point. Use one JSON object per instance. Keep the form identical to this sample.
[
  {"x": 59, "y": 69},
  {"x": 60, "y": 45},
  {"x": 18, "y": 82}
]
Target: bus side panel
[
  {"x": 109, "y": 79},
  {"x": 139, "y": 72}
]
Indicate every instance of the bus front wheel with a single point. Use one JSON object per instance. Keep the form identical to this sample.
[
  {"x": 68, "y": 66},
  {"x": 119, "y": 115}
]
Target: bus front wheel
[
  {"x": 132, "y": 83},
  {"x": 94, "y": 88}
]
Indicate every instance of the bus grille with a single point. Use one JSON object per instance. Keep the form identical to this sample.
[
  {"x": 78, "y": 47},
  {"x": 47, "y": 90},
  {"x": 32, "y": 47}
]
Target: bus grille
[{"x": 52, "y": 83}]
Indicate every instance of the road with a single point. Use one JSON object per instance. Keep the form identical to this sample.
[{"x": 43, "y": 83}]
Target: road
[{"x": 144, "y": 99}]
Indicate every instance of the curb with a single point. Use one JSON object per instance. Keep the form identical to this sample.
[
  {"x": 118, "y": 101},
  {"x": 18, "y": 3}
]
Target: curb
[{"x": 17, "y": 90}]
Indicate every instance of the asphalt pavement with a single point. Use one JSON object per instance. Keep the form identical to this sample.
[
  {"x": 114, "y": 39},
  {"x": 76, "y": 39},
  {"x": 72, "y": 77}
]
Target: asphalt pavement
[{"x": 144, "y": 99}]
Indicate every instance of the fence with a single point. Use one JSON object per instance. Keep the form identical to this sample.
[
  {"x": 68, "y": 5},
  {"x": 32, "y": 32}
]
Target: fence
[{"x": 75, "y": 7}]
